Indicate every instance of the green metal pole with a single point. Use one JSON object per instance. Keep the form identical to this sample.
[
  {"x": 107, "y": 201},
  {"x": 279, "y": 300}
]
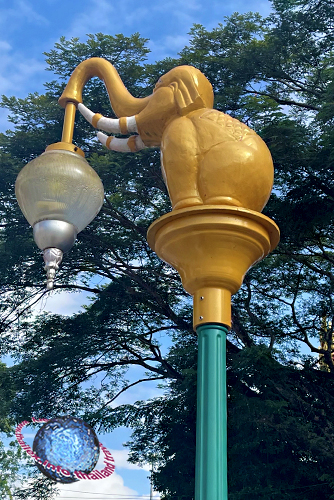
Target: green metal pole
[{"x": 211, "y": 430}]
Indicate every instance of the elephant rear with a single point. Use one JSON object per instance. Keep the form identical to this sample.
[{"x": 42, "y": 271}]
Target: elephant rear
[{"x": 236, "y": 168}]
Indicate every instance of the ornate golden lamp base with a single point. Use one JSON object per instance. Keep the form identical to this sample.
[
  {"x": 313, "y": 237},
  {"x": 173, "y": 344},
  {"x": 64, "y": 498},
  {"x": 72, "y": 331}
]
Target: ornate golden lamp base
[{"x": 212, "y": 247}]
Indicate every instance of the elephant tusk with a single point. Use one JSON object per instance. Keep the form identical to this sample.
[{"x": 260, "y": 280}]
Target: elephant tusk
[
  {"x": 110, "y": 125},
  {"x": 123, "y": 125},
  {"x": 130, "y": 145}
]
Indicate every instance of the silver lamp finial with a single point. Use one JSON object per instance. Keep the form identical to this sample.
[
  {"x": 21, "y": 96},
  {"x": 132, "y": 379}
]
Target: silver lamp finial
[{"x": 52, "y": 258}]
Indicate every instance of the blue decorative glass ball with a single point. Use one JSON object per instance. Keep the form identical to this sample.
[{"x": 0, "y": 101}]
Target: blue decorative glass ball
[{"x": 67, "y": 442}]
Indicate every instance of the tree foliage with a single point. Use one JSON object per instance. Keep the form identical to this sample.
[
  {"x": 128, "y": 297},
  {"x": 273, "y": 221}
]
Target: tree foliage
[{"x": 276, "y": 74}]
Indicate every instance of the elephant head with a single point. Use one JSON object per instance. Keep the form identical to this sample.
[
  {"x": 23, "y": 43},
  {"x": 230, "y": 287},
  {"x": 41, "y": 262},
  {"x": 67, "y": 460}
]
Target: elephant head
[
  {"x": 177, "y": 93},
  {"x": 192, "y": 90}
]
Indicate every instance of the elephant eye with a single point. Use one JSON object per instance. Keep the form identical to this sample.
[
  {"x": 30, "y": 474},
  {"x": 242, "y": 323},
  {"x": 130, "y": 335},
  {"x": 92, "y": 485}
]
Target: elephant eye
[{"x": 157, "y": 85}]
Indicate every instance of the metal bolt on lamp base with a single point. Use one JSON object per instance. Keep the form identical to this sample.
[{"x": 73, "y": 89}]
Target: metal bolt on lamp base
[{"x": 54, "y": 237}]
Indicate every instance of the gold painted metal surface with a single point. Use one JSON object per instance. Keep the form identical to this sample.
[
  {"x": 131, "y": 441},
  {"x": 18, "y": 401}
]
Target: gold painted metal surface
[
  {"x": 132, "y": 144},
  {"x": 109, "y": 141},
  {"x": 123, "y": 125},
  {"x": 178, "y": 93},
  {"x": 67, "y": 146},
  {"x": 123, "y": 103},
  {"x": 212, "y": 248},
  {"x": 209, "y": 158},
  {"x": 212, "y": 305},
  {"x": 95, "y": 119},
  {"x": 68, "y": 125}
]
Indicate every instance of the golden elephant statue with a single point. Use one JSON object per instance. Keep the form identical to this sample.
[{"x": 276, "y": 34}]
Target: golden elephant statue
[{"x": 207, "y": 157}]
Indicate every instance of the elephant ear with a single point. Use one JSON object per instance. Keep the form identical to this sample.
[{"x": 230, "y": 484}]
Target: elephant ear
[{"x": 187, "y": 97}]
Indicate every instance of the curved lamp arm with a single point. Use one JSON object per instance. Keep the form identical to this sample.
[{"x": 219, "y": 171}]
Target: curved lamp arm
[{"x": 122, "y": 102}]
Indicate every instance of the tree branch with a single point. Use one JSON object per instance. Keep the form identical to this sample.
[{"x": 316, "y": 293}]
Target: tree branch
[
  {"x": 287, "y": 102},
  {"x": 128, "y": 387}
]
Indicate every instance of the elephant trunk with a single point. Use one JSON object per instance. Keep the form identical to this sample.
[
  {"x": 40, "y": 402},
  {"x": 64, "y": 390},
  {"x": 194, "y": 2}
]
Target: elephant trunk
[{"x": 122, "y": 102}]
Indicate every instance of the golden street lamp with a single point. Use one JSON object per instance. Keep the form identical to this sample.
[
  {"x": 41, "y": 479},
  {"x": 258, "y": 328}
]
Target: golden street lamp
[{"x": 219, "y": 175}]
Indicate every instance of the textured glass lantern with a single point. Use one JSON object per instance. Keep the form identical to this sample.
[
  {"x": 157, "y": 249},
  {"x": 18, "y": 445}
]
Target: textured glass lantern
[{"x": 59, "y": 194}]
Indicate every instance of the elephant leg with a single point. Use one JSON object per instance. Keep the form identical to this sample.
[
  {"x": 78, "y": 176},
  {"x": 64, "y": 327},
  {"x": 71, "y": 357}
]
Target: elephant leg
[{"x": 179, "y": 163}]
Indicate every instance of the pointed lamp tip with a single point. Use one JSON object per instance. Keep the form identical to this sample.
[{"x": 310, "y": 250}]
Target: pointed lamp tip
[
  {"x": 49, "y": 284},
  {"x": 52, "y": 258}
]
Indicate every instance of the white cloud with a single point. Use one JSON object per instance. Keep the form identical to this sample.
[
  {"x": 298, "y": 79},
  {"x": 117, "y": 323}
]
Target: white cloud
[
  {"x": 18, "y": 76},
  {"x": 241, "y": 6},
  {"x": 185, "y": 12},
  {"x": 26, "y": 10},
  {"x": 98, "y": 17},
  {"x": 129, "y": 17},
  {"x": 112, "y": 485},
  {"x": 175, "y": 43},
  {"x": 21, "y": 11},
  {"x": 121, "y": 461},
  {"x": 16, "y": 72},
  {"x": 4, "y": 46},
  {"x": 65, "y": 303},
  {"x": 134, "y": 16}
]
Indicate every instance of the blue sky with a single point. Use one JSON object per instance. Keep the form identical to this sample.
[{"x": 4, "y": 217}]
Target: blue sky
[{"x": 30, "y": 27}]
